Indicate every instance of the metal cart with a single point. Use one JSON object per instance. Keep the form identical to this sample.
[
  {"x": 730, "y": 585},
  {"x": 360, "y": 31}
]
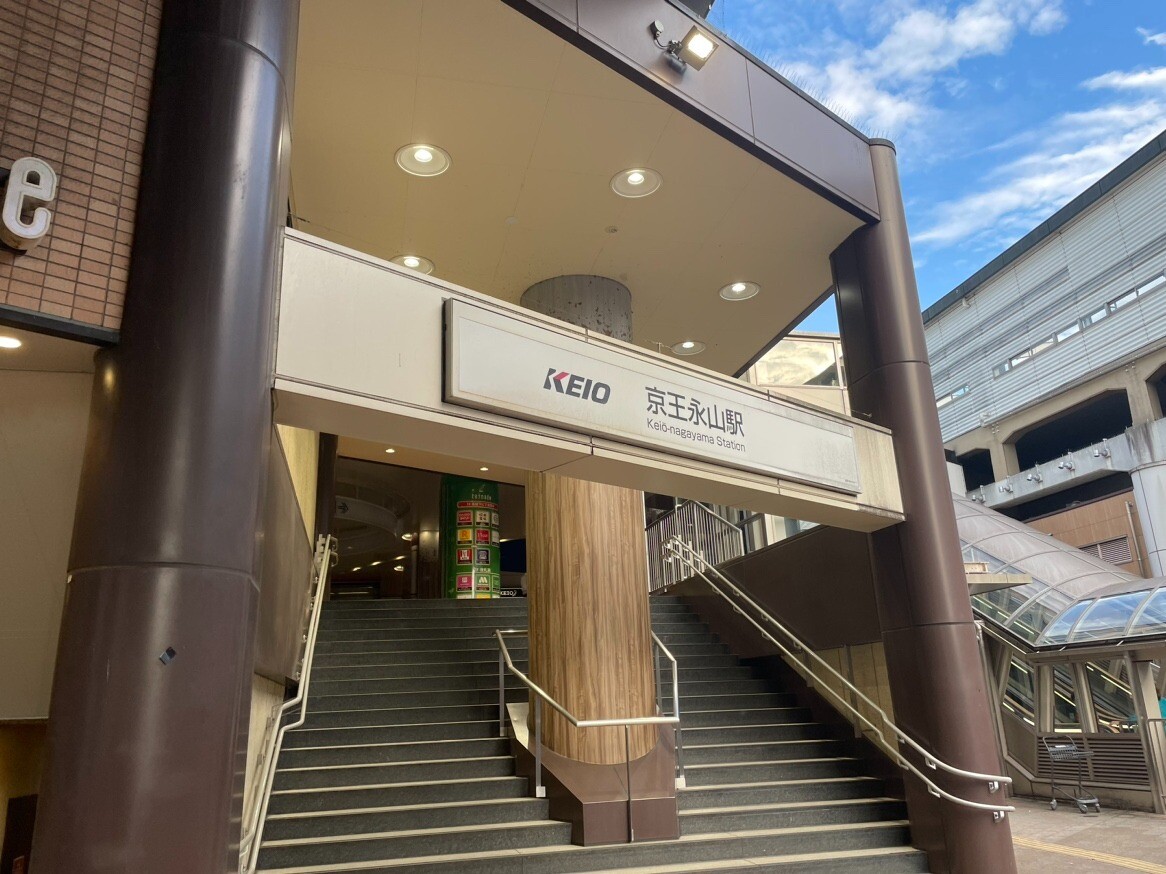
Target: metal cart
[{"x": 1065, "y": 749}]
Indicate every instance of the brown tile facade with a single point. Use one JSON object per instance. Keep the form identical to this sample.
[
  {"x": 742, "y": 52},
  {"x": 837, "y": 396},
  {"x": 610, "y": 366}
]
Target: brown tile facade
[
  {"x": 1097, "y": 522},
  {"x": 74, "y": 91}
]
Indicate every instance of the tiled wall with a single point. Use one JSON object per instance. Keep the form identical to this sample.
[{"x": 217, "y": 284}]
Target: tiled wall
[
  {"x": 1096, "y": 522},
  {"x": 74, "y": 91}
]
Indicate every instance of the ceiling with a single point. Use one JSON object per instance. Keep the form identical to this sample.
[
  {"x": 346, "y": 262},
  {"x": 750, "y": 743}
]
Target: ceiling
[
  {"x": 41, "y": 352},
  {"x": 536, "y": 129}
]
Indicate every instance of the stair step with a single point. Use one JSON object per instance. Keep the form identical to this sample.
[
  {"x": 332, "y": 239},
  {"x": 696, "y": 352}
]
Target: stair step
[
  {"x": 342, "y": 673},
  {"x": 373, "y": 734},
  {"x": 405, "y": 844},
  {"x": 414, "y": 771},
  {"x": 790, "y": 815},
  {"x": 404, "y": 716},
  {"x": 739, "y": 717},
  {"x": 351, "y": 655},
  {"x": 754, "y": 751},
  {"x": 694, "y": 737},
  {"x": 383, "y": 753},
  {"x": 789, "y": 847},
  {"x": 415, "y": 698},
  {"x": 397, "y": 794},
  {"x": 779, "y": 791},
  {"x": 784, "y": 769},
  {"x": 413, "y": 816},
  {"x": 419, "y": 682}
]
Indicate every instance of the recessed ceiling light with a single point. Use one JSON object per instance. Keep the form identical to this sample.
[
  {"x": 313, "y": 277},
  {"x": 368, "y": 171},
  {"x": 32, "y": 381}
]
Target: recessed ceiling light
[
  {"x": 399, "y": 568},
  {"x": 688, "y": 347},
  {"x": 740, "y": 290},
  {"x": 414, "y": 262},
  {"x": 375, "y": 563},
  {"x": 636, "y": 182},
  {"x": 10, "y": 343},
  {"x": 355, "y": 569},
  {"x": 399, "y": 558},
  {"x": 423, "y": 159},
  {"x": 390, "y": 451},
  {"x": 483, "y": 469},
  {"x": 406, "y": 536}
]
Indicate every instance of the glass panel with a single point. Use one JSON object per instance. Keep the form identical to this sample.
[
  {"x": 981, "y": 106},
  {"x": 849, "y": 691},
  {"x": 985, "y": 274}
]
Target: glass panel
[
  {"x": 994, "y": 605},
  {"x": 799, "y": 362},
  {"x": 1112, "y": 702},
  {"x": 1125, "y": 300},
  {"x": 1153, "y": 618},
  {"x": 1001, "y": 369},
  {"x": 1108, "y": 618},
  {"x": 1020, "y": 692},
  {"x": 1094, "y": 318},
  {"x": 1065, "y": 717},
  {"x": 944, "y": 401},
  {"x": 1058, "y": 631},
  {"x": 1034, "y": 618},
  {"x": 1153, "y": 285},
  {"x": 1046, "y": 343},
  {"x": 960, "y": 392},
  {"x": 1020, "y": 358},
  {"x": 1065, "y": 333}
]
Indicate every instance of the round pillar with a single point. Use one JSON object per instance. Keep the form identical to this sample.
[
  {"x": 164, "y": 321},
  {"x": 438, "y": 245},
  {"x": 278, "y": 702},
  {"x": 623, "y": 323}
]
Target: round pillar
[{"x": 590, "y": 626}]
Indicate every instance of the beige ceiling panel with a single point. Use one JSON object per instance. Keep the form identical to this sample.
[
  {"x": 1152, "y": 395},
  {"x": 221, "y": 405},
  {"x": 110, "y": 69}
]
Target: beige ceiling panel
[
  {"x": 369, "y": 34},
  {"x": 488, "y": 42},
  {"x": 553, "y": 202},
  {"x": 579, "y": 73},
  {"x": 480, "y": 125},
  {"x": 532, "y": 256},
  {"x": 591, "y": 135}
]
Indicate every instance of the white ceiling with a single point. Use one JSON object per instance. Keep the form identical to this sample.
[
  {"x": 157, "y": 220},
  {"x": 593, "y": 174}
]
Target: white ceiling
[
  {"x": 41, "y": 352},
  {"x": 536, "y": 129}
]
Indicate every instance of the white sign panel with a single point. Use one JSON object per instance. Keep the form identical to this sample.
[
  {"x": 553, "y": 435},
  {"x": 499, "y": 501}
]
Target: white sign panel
[{"x": 508, "y": 366}]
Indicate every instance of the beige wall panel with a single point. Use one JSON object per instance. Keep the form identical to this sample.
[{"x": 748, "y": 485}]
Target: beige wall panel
[
  {"x": 266, "y": 698},
  {"x": 43, "y": 422},
  {"x": 75, "y": 82},
  {"x": 301, "y": 447}
]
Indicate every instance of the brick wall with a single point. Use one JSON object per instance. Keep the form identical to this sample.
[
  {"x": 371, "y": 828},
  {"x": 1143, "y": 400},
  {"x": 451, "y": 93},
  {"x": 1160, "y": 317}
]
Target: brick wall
[{"x": 74, "y": 91}]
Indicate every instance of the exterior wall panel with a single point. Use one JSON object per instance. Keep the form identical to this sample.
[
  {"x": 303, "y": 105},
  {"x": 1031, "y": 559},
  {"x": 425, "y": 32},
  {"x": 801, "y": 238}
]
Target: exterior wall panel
[{"x": 75, "y": 81}]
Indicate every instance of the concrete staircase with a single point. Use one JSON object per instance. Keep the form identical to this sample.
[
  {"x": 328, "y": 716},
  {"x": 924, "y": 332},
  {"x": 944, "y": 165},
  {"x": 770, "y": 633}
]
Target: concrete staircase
[{"x": 399, "y": 767}]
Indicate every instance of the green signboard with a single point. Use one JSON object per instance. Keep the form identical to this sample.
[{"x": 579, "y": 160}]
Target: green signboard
[{"x": 471, "y": 558}]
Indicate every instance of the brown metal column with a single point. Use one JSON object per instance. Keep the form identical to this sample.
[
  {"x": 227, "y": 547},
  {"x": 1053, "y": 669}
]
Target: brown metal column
[
  {"x": 148, "y": 723},
  {"x": 933, "y": 660}
]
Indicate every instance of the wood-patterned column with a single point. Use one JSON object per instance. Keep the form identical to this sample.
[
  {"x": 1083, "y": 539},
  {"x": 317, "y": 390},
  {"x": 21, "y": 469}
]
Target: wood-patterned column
[{"x": 587, "y": 576}]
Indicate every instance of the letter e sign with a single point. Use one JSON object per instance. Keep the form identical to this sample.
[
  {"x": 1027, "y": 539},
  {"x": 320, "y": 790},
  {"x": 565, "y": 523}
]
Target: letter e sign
[{"x": 24, "y": 220}]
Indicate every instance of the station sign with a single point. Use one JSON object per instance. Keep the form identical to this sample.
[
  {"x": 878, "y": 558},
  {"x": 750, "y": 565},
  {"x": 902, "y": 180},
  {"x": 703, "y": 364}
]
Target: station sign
[
  {"x": 24, "y": 198},
  {"x": 591, "y": 385}
]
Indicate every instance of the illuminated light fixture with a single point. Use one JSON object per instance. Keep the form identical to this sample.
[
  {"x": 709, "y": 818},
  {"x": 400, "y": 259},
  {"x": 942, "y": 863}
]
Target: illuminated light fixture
[
  {"x": 688, "y": 347},
  {"x": 483, "y": 469},
  {"x": 636, "y": 182},
  {"x": 399, "y": 558},
  {"x": 414, "y": 262},
  {"x": 399, "y": 568},
  {"x": 740, "y": 291},
  {"x": 423, "y": 159},
  {"x": 376, "y": 563},
  {"x": 692, "y": 51},
  {"x": 406, "y": 536},
  {"x": 390, "y": 451},
  {"x": 10, "y": 343},
  {"x": 355, "y": 569}
]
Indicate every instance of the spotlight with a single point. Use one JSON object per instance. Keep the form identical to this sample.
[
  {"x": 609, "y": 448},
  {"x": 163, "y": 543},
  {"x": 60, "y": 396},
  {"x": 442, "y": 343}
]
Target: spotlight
[
  {"x": 423, "y": 159},
  {"x": 692, "y": 51},
  {"x": 739, "y": 291},
  {"x": 688, "y": 347},
  {"x": 10, "y": 343},
  {"x": 414, "y": 262},
  {"x": 636, "y": 182}
]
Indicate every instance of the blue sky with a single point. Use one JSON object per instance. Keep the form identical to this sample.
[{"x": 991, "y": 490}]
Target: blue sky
[{"x": 1003, "y": 110}]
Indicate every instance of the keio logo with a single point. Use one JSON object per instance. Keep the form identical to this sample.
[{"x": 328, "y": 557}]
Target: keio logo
[{"x": 576, "y": 386}]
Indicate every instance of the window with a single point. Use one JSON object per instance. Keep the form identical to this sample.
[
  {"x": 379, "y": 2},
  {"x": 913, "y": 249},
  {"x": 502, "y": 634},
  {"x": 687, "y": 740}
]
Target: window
[
  {"x": 1058, "y": 631},
  {"x": 1151, "y": 286},
  {"x": 1065, "y": 718},
  {"x": 1112, "y": 702},
  {"x": 1065, "y": 333},
  {"x": 952, "y": 396},
  {"x": 1020, "y": 358},
  {"x": 799, "y": 361},
  {"x": 1108, "y": 618},
  {"x": 1095, "y": 317},
  {"x": 1001, "y": 369},
  {"x": 1125, "y": 300},
  {"x": 1020, "y": 692},
  {"x": 1045, "y": 344},
  {"x": 1153, "y": 618}
]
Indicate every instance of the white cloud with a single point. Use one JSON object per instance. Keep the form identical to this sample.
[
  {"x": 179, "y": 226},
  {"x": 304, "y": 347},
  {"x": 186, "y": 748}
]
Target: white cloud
[
  {"x": 1075, "y": 150},
  {"x": 888, "y": 84},
  {"x": 1152, "y": 39},
  {"x": 1154, "y": 80}
]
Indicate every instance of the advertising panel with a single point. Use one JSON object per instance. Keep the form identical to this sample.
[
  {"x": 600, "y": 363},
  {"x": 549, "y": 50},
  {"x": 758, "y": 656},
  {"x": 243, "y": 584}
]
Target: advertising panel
[{"x": 471, "y": 556}]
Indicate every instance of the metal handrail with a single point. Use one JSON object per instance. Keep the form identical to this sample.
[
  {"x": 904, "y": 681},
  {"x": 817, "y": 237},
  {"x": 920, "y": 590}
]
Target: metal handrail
[
  {"x": 506, "y": 663},
  {"x": 253, "y": 836},
  {"x": 994, "y": 781},
  {"x": 715, "y": 537}
]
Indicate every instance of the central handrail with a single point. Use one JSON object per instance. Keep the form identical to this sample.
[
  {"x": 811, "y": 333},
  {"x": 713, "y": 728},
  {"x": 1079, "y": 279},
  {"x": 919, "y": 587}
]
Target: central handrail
[
  {"x": 253, "y": 836},
  {"x": 506, "y": 663},
  {"x": 686, "y": 555}
]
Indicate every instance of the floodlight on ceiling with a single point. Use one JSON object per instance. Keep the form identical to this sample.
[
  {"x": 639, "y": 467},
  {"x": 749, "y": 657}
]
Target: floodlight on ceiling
[{"x": 692, "y": 51}]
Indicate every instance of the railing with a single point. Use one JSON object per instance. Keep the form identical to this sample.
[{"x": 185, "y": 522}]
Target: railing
[
  {"x": 253, "y": 834},
  {"x": 714, "y": 537},
  {"x": 505, "y": 663},
  {"x": 799, "y": 656}
]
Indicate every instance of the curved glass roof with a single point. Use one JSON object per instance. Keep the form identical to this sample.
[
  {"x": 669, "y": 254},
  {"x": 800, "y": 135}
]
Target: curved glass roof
[{"x": 1074, "y": 597}]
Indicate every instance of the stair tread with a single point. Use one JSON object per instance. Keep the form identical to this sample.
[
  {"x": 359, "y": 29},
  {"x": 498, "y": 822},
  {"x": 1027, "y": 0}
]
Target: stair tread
[
  {"x": 416, "y": 832},
  {"x": 572, "y": 848},
  {"x": 398, "y": 808},
  {"x": 351, "y": 786},
  {"x": 789, "y": 805},
  {"x": 406, "y": 763}
]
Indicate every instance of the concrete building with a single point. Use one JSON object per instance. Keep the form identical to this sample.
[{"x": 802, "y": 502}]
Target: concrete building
[{"x": 339, "y": 261}]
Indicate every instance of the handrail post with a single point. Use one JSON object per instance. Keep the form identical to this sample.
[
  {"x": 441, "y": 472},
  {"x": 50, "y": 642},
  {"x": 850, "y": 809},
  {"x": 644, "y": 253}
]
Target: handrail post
[
  {"x": 627, "y": 745},
  {"x": 501, "y": 692},
  {"x": 540, "y": 791},
  {"x": 659, "y": 689}
]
